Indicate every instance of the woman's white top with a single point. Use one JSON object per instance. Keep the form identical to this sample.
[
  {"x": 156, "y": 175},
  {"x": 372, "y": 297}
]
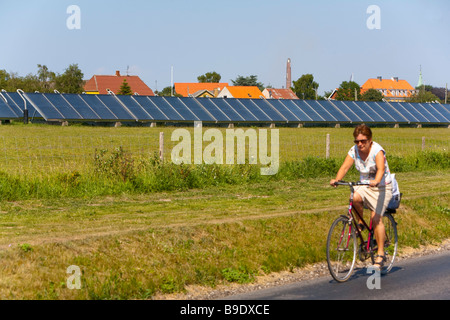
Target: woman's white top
[{"x": 368, "y": 168}]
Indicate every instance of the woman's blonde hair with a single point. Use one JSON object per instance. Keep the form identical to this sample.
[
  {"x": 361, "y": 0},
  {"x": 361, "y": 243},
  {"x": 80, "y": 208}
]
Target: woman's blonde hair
[{"x": 364, "y": 130}]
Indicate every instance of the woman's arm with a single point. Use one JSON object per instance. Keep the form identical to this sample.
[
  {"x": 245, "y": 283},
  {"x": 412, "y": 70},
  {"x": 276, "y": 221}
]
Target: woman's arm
[
  {"x": 379, "y": 160},
  {"x": 348, "y": 162}
]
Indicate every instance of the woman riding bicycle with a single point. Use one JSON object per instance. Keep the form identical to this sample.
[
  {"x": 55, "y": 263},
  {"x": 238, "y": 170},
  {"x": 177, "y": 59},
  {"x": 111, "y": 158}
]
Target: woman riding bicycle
[{"x": 370, "y": 160}]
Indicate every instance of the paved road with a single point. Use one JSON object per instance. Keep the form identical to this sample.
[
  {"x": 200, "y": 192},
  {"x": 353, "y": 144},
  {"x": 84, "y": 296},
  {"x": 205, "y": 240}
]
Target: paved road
[{"x": 423, "y": 278}]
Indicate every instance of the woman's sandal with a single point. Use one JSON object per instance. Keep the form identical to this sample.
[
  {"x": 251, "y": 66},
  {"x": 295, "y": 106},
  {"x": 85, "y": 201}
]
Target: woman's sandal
[{"x": 379, "y": 264}]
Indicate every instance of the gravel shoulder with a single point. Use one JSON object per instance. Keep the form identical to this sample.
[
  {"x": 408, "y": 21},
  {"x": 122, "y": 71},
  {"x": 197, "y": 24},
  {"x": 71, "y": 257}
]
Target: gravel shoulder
[{"x": 281, "y": 278}]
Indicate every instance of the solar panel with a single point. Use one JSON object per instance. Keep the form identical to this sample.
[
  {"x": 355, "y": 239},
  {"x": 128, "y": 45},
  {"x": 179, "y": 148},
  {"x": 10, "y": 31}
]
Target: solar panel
[
  {"x": 330, "y": 109},
  {"x": 268, "y": 109},
  {"x": 349, "y": 111},
  {"x": 294, "y": 109},
  {"x": 95, "y": 103},
  {"x": 16, "y": 102},
  {"x": 366, "y": 111},
  {"x": 427, "y": 114},
  {"x": 114, "y": 105},
  {"x": 181, "y": 108},
  {"x": 383, "y": 115},
  {"x": 45, "y": 108},
  {"x": 281, "y": 108},
  {"x": 150, "y": 108},
  {"x": 396, "y": 115},
  {"x": 254, "y": 110},
  {"x": 55, "y": 106},
  {"x": 213, "y": 110},
  {"x": 218, "y": 103},
  {"x": 166, "y": 108},
  {"x": 409, "y": 112},
  {"x": 310, "y": 112},
  {"x": 196, "y": 108},
  {"x": 81, "y": 107},
  {"x": 134, "y": 107},
  {"x": 6, "y": 112},
  {"x": 442, "y": 109},
  {"x": 239, "y": 108},
  {"x": 58, "y": 101}
]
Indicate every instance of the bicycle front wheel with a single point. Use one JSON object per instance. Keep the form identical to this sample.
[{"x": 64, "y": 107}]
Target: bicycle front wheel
[{"x": 341, "y": 249}]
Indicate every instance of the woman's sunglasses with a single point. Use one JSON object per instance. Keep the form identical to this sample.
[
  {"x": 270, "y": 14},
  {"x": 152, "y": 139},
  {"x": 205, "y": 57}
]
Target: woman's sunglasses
[{"x": 363, "y": 141}]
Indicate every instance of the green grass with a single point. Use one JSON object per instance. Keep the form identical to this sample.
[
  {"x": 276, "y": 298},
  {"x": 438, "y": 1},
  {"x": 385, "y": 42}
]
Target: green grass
[{"x": 138, "y": 227}]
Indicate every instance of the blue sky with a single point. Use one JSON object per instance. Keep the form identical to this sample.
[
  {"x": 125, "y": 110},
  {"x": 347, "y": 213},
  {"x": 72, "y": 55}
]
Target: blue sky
[{"x": 328, "y": 38}]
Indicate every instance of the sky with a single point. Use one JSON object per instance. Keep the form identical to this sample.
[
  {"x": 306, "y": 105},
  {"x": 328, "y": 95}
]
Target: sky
[{"x": 331, "y": 39}]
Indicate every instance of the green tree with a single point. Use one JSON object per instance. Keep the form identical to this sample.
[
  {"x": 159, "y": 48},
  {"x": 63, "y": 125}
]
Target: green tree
[
  {"x": 248, "y": 81},
  {"x": 372, "y": 95},
  {"x": 423, "y": 96},
  {"x": 305, "y": 87},
  {"x": 71, "y": 81},
  {"x": 167, "y": 92},
  {"x": 125, "y": 89},
  {"x": 46, "y": 78},
  {"x": 347, "y": 90},
  {"x": 209, "y": 77}
]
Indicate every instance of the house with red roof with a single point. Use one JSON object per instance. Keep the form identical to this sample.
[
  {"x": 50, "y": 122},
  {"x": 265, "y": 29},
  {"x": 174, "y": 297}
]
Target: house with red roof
[
  {"x": 241, "y": 92},
  {"x": 271, "y": 93},
  {"x": 393, "y": 89},
  {"x": 100, "y": 84},
  {"x": 198, "y": 90}
]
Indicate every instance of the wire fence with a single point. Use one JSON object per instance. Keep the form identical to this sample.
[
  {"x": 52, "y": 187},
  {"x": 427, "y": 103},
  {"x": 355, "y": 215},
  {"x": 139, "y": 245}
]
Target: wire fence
[{"x": 41, "y": 155}]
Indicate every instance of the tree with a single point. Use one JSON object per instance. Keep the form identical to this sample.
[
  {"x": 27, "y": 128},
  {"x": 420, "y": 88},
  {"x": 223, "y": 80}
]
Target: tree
[
  {"x": 248, "y": 81},
  {"x": 305, "y": 87},
  {"x": 423, "y": 96},
  {"x": 71, "y": 81},
  {"x": 125, "y": 89},
  {"x": 372, "y": 95},
  {"x": 46, "y": 78},
  {"x": 209, "y": 77},
  {"x": 346, "y": 91},
  {"x": 167, "y": 92}
]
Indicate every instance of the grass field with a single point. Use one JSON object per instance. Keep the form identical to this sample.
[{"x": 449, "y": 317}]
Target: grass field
[{"x": 133, "y": 243}]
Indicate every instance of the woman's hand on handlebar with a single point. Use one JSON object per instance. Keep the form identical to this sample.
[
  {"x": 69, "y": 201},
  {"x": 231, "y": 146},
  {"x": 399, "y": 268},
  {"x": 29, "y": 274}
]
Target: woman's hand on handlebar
[{"x": 332, "y": 182}]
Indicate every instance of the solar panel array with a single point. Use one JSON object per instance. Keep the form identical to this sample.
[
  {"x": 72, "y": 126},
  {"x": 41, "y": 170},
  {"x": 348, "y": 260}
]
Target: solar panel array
[{"x": 85, "y": 107}]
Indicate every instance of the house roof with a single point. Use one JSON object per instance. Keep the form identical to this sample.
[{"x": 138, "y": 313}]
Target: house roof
[
  {"x": 243, "y": 92},
  {"x": 100, "y": 84},
  {"x": 390, "y": 85},
  {"x": 271, "y": 93},
  {"x": 186, "y": 89}
]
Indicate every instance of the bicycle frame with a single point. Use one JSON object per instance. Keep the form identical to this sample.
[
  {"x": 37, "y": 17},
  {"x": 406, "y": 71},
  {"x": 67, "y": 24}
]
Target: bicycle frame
[{"x": 351, "y": 216}]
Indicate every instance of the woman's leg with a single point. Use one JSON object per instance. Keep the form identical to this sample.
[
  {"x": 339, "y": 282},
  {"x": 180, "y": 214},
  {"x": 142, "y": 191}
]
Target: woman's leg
[
  {"x": 380, "y": 235},
  {"x": 358, "y": 206}
]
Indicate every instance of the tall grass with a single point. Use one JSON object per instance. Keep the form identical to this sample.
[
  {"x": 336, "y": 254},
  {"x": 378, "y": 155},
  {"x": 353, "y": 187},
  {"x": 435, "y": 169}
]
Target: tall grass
[{"x": 116, "y": 172}]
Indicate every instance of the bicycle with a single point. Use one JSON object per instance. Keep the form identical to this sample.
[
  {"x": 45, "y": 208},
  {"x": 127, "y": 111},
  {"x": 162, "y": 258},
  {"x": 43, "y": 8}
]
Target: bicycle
[{"x": 346, "y": 241}]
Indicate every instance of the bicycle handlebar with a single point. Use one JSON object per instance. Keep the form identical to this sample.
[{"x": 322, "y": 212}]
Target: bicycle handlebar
[{"x": 344, "y": 183}]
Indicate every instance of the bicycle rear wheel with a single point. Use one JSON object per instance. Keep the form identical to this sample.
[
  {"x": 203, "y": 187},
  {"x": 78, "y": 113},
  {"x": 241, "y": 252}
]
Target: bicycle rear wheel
[
  {"x": 391, "y": 243},
  {"x": 341, "y": 249}
]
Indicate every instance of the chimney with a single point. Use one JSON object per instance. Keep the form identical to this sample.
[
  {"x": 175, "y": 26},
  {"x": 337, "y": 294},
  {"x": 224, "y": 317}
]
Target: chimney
[
  {"x": 288, "y": 74},
  {"x": 118, "y": 73},
  {"x": 396, "y": 79},
  {"x": 380, "y": 78}
]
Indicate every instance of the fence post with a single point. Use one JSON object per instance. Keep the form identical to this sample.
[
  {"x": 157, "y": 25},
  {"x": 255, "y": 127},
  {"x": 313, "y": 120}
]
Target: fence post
[
  {"x": 423, "y": 143},
  {"x": 328, "y": 147},
  {"x": 161, "y": 146}
]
